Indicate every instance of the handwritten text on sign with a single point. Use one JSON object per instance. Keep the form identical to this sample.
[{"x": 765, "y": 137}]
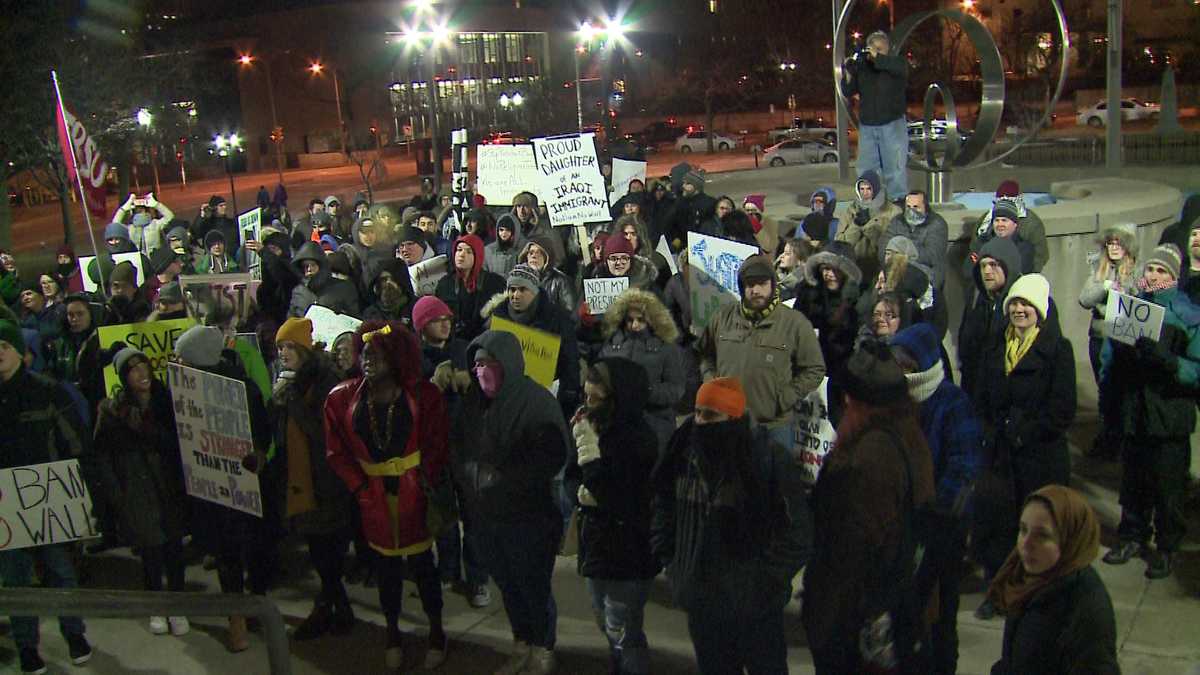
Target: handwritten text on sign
[
  {"x": 572, "y": 185},
  {"x": 213, "y": 418},
  {"x": 713, "y": 268},
  {"x": 44, "y": 504},
  {"x": 505, "y": 170},
  {"x": 601, "y": 293},
  {"x": 539, "y": 348},
  {"x": 1127, "y": 318},
  {"x": 814, "y": 432},
  {"x": 155, "y": 339}
]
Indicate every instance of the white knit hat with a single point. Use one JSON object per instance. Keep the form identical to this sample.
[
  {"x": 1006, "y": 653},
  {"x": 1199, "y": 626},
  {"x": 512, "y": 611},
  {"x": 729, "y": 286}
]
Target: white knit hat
[{"x": 1033, "y": 289}]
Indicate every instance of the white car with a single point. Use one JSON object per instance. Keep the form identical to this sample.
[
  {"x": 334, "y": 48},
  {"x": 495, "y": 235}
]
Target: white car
[
  {"x": 801, "y": 152},
  {"x": 1131, "y": 109},
  {"x": 697, "y": 141}
]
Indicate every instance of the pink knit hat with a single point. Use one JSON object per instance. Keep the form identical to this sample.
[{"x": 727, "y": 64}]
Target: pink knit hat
[
  {"x": 427, "y": 309},
  {"x": 757, "y": 200}
]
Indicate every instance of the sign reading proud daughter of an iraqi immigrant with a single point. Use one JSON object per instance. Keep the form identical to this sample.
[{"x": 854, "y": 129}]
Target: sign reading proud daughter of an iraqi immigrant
[
  {"x": 539, "y": 348},
  {"x": 213, "y": 419},
  {"x": 1127, "y": 318},
  {"x": 44, "y": 504},
  {"x": 571, "y": 183},
  {"x": 503, "y": 171},
  {"x": 155, "y": 339},
  {"x": 713, "y": 268},
  {"x": 600, "y": 293}
]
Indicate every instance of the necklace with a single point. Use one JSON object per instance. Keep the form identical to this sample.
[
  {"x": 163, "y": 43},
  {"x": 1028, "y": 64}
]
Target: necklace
[{"x": 384, "y": 443}]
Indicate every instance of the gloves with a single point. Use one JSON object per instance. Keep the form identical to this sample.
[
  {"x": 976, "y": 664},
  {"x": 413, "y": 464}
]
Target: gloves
[
  {"x": 151, "y": 201},
  {"x": 1108, "y": 284},
  {"x": 443, "y": 375},
  {"x": 128, "y": 202},
  {"x": 461, "y": 381},
  {"x": 586, "y": 442},
  {"x": 286, "y": 377},
  {"x": 253, "y": 462},
  {"x": 1157, "y": 355},
  {"x": 585, "y": 497}
]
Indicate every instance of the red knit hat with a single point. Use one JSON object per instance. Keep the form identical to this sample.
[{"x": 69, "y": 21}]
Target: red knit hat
[
  {"x": 616, "y": 244},
  {"x": 723, "y": 394},
  {"x": 1008, "y": 188},
  {"x": 427, "y": 309},
  {"x": 757, "y": 200}
]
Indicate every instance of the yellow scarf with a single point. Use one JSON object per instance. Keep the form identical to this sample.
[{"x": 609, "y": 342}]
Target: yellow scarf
[{"x": 1015, "y": 346}]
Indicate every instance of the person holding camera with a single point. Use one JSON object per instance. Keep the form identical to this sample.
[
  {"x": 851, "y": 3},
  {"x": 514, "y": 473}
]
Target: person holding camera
[{"x": 879, "y": 79}]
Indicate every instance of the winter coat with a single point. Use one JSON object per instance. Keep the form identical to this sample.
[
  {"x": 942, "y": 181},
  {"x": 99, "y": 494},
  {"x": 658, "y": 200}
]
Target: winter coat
[
  {"x": 860, "y": 503},
  {"x": 75, "y": 358},
  {"x": 867, "y": 238},
  {"x": 426, "y": 450},
  {"x": 48, "y": 323},
  {"x": 983, "y": 320},
  {"x": 880, "y": 83},
  {"x": 39, "y": 421},
  {"x": 1094, "y": 295},
  {"x": 376, "y": 310},
  {"x": 1067, "y": 628},
  {"x": 323, "y": 288},
  {"x": 226, "y": 264},
  {"x": 554, "y": 283},
  {"x": 614, "y": 534},
  {"x": 225, "y": 225},
  {"x": 832, "y": 313},
  {"x": 659, "y": 215},
  {"x": 693, "y": 214},
  {"x": 550, "y": 318},
  {"x": 139, "y": 468},
  {"x": 679, "y": 303},
  {"x": 301, "y": 403},
  {"x": 500, "y": 259},
  {"x": 1031, "y": 230},
  {"x": 777, "y": 359},
  {"x": 466, "y": 304},
  {"x": 931, "y": 239}
]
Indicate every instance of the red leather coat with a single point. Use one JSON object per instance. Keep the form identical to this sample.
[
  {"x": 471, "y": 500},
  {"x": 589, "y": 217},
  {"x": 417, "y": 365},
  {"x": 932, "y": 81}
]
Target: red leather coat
[{"x": 350, "y": 458}]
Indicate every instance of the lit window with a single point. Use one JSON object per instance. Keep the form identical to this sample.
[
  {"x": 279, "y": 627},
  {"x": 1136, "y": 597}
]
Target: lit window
[{"x": 712, "y": 6}]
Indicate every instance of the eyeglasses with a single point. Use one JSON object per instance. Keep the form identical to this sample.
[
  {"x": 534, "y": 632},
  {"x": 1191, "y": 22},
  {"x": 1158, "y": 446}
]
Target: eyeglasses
[
  {"x": 886, "y": 316},
  {"x": 619, "y": 258},
  {"x": 1113, "y": 242}
]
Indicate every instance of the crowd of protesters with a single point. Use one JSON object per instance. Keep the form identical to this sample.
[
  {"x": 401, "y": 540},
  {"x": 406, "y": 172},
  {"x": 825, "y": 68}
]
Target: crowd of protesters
[{"x": 419, "y": 441}]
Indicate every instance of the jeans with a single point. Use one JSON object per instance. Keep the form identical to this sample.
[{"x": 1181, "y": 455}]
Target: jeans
[
  {"x": 16, "y": 570},
  {"x": 619, "y": 606},
  {"x": 884, "y": 148},
  {"x": 458, "y": 557},
  {"x": 784, "y": 435},
  {"x": 522, "y": 563},
  {"x": 730, "y": 645}
]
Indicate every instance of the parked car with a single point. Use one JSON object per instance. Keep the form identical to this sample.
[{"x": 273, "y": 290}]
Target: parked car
[
  {"x": 801, "y": 152},
  {"x": 1096, "y": 116},
  {"x": 659, "y": 132},
  {"x": 503, "y": 138},
  {"x": 697, "y": 141}
]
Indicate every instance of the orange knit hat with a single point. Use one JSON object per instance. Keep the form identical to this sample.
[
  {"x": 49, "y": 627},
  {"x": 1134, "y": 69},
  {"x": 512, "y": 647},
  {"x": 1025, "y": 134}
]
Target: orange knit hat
[
  {"x": 723, "y": 394},
  {"x": 296, "y": 330}
]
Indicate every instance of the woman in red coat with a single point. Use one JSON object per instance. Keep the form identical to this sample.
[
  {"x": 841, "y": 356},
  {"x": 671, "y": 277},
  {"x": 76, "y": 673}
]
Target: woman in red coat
[{"x": 384, "y": 432}]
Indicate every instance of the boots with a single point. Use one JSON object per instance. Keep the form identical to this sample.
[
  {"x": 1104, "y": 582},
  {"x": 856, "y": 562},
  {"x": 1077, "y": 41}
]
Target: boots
[
  {"x": 1159, "y": 566},
  {"x": 319, "y": 622},
  {"x": 238, "y": 640},
  {"x": 343, "y": 617}
]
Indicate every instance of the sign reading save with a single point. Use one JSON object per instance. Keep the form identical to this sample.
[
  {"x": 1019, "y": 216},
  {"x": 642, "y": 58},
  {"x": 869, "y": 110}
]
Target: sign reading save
[{"x": 1127, "y": 318}]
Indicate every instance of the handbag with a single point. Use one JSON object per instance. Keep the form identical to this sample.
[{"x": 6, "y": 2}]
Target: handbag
[{"x": 441, "y": 504}]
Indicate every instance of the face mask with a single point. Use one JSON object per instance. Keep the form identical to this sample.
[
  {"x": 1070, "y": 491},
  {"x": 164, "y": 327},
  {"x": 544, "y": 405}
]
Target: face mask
[
  {"x": 391, "y": 294},
  {"x": 913, "y": 216},
  {"x": 491, "y": 378}
]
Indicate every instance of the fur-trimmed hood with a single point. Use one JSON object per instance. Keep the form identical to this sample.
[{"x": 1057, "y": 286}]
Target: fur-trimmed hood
[
  {"x": 657, "y": 316},
  {"x": 842, "y": 263},
  {"x": 490, "y": 306},
  {"x": 1126, "y": 233}
]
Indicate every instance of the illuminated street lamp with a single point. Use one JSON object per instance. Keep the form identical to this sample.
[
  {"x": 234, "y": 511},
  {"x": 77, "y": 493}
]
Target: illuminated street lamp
[
  {"x": 426, "y": 37},
  {"x": 247, "y": 60},
  {"x": 224, "y": 146},
  {"x": 316, "y": 69}
]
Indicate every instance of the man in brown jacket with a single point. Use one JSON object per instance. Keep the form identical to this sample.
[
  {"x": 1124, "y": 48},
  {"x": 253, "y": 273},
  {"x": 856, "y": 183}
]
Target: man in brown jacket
[{"x": 770, "y": 347}]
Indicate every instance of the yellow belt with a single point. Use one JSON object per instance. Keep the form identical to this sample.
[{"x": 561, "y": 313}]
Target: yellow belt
[{"x": 396, "y": 466}]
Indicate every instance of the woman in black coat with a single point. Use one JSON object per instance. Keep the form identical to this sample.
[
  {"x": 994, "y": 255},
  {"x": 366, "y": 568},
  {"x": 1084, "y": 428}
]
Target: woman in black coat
[
  {"x": 616, "y": 453},
  {"x": 1027, "y": 403},
  {"x": 1058, "y": 617}
]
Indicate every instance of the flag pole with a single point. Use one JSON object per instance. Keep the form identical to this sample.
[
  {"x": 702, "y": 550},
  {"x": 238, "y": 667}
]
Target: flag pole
[{"x": 87, "y": 216}]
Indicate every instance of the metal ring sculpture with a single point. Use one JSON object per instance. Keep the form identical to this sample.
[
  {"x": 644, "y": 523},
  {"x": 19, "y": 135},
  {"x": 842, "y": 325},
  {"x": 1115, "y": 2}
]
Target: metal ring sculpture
[{"x": 991, "y": 70}]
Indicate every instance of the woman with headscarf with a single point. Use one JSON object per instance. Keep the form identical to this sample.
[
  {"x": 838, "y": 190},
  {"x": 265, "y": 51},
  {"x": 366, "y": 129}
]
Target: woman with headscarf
[{"x": 1058, "y": 617}]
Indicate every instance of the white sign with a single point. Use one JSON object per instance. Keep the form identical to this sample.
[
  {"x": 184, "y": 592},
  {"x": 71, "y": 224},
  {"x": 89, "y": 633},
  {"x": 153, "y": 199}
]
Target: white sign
[
  {"x": 572, "y": 185},
  {"x": 426, "y": 274},
  {"x": 623, "y": 171},
  {"x": 713, "y": 274},
  {"x": 328, "y": 324},
  {"x": 664, "y": 250},
  {"x": 250, "y": 229},
  {"x": 502, "y": 171},
  {"x": 134, "y": 257},
  {"x": 212, "y": 415},
  {"x": 1127, "y": 318},
  {"x": 44, "y": 504},
  {"x": 814, "y": 432},
  {"x": 600, "y": 293}
]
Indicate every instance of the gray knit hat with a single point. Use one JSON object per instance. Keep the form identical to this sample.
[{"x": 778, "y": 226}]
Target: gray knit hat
[
  {"x": 200, "y": 346},
  {"x": 902, "y": 245},
  {"x": 1168, "y": 256},
  {"x": 121, "y": 362},
  {"x": 525, "y": 276},
  {"x": 171, "y": 293}
]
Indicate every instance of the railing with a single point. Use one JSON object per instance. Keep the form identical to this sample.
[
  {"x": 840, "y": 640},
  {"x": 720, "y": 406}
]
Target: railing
[
  {"x": 1089, "y": 151},
  {"x": 110, "y": 604}
]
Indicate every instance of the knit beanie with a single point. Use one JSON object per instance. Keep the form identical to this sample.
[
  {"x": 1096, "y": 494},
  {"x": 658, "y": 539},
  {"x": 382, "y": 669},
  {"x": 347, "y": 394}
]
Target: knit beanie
[
  {"x": 902, "y": 245},
  {"x": 10, "y": 332},
  {"x": 170, "y": 294},
  {"x": 1168, "y": 256},
  {"x": 428, "y": 308},
  {"x": 871, "y": 375},
  {"x": 122, "y": 362},
  {"x": 200, "y": 346},
  {"x": 617, "y": 244},
  {"x": 214, "y": 200},
  {"x": 296, "y": 330},
  {"x": 1008, "y": 188},
  {"x": 1035, "y": 290},
  {"x": 525, "y": 276},
  {"x": 213, "y": 237},
  {"x": 921, "y": 341},
  {"x": 411, "y": 233},
  {"x": 124, "y": 272},
  {"x": 723, "y": 394},
  {"x": 1006, "y": 208},
  {"x": 816, "y": 226},
  {"x": 162, "y": 258},
  {"x": 759, "y": 201},
  {"x": 755, "y": 268}
]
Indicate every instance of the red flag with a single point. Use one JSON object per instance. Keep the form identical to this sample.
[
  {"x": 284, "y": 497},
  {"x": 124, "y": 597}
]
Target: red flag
[{"x": 94, "y": 170}]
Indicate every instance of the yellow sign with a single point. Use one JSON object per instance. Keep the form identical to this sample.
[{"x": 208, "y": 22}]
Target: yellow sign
[
  {"x": 156, "y": 339},
  {"x": 539, "y": 348}
]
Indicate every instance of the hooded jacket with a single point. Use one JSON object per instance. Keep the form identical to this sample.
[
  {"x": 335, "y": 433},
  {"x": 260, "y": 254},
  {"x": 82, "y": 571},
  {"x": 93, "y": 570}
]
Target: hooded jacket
[
  {"x": 368, "y": 260},
  {"x": 555, "y": 284},
  {"x": 500, "y": 258},
  {"x": 550, "y": 318},
  {"x": 399, "y": 271},
  {"x": 931, "y": 239},
  {"x": 694, "y": 213},
  {"x": 1094, "y": 295},
  {"x": 865, "y": 224},
  {"x": 39, "y": 421},
  {"x": 830, "y": 205},
  {"x": 323, "y": 288},
  {"x": 507, "y": 457},
  {"x": 466, "y": 295},
  {"x": 833, "y": 313},
  {"x": 983, "y": 320}
]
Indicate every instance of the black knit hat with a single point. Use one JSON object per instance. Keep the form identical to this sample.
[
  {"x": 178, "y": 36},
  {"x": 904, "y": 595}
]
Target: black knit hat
[
  {"x": 871, "y": 375},
  {"x": 411, "y": 233},
  {"x": 755, "y": 268},
  {"x": 162, "y": 258}
]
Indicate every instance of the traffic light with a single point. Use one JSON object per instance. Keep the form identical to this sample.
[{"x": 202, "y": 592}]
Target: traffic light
[
  {"x": 178, "y": 156},
  {"x": 277, "y": 135},
  {"x": 183, "y": 140}
]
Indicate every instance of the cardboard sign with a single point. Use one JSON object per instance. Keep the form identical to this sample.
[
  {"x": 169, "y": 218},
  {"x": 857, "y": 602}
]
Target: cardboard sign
[
  {"x": 664, "y": 250},
  {"x": 426, "y": 274},
  {"x": 250, "y": 229},
  {"x": 713, "y": 268},
  {"x": 90, "y": 286},
  {"x": 224, "y": 294},
  {"x": 1127, "y": 318},
  {"x": 156, "y": 339},
  {"x": 43, "y": 504},
  {"x": 623, "y": 171},
  {"x": 814, "y": 432},
  {"x": 572, "y": 185},
  {"x": 213, "y": 418},
  {"x": 502, "y": 171},
  {"x": 600, "y": 293},
  {"x": 328, "y": 324},
  {"x": 539, "y": 348}
]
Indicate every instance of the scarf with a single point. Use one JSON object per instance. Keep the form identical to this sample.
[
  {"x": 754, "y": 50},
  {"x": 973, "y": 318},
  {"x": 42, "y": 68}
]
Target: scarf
[
  {"x": 921, "y": 385},
  {"x": 1078, "y": 542},
  {"x": 1147, "y": 287},
  {"x": 1015, "y": 346},
  {"x": 756, "y": 315}
]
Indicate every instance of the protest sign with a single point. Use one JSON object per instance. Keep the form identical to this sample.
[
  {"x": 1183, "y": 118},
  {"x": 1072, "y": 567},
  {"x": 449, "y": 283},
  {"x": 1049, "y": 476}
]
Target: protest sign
[
  {"x": 600, "y": 293},
  {"x": 713, "y": 274},
  {"x": 155, "y": 339},
  {"x": 502, "y": 171},
  {"x": 212, "y": 415},
  {"x": 93, "y": 285},
  {"x": 539, "y": 348},
  {"x": 814, "y": 432},
  {"x": 250, "y": 229},
  {"x": 426, "y": 274},
  {"x": 328, "y": 324},
  {"x": 225, "y": 295},
  {"x": 664, "y": 250},
  {"x": 1127, "y": 318},
  {"x": 623, "y": 171},
  {"x": 571, "y": 183},
  {"x": 44, "y": 504}
]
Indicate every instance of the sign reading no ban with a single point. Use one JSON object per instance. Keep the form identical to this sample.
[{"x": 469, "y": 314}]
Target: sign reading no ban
[{"x": 1127, "y": 318}]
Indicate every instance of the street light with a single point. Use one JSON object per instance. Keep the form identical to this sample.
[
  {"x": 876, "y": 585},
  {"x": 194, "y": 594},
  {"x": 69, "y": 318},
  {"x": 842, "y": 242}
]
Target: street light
[
  {"x": 247, "y": 60},
  {"x": 144, "y": 117},
  {"x": 316, "y": 69},
  {"x": 144, "y": 120},
  {"x": 226, "y": 145}
]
